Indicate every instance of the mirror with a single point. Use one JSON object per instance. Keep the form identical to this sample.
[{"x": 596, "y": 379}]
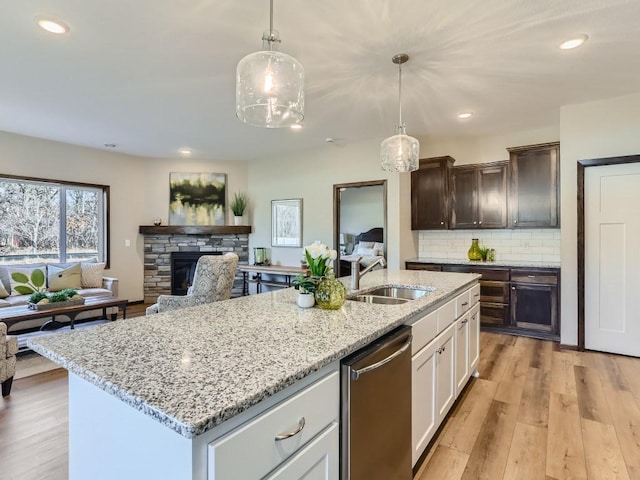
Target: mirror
[{"x": 359, "y": 215}]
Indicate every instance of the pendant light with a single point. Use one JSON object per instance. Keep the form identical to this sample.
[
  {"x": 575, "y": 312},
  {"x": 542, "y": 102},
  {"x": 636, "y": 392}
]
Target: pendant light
[
  {"x": 270, "y": 85},
  {"x": 400, "y": 153}
]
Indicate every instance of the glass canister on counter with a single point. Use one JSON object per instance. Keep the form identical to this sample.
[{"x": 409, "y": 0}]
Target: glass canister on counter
[
  {"x": 474, "y": 252},
  {"x": 491, "y": 255}
]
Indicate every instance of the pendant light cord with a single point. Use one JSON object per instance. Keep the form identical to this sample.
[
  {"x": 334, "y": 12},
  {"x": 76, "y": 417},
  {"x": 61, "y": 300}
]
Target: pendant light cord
[
  {"x": 399, "y": 95},
  {"x": 271, "y": 19}
]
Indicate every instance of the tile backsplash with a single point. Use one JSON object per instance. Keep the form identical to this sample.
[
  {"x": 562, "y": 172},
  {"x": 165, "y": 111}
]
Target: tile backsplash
[{"x": 535, "y": 245}]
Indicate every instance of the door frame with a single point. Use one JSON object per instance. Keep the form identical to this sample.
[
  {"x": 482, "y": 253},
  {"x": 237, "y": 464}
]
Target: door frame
[{"x": 582, "y": 164}]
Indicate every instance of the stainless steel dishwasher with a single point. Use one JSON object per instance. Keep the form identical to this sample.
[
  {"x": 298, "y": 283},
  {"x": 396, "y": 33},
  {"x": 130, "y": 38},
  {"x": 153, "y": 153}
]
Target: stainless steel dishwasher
[{"x": 376, "y": 410}]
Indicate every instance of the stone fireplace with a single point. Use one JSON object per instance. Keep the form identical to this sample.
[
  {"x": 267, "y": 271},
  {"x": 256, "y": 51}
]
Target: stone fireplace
[{"x": 161, "y": 242}]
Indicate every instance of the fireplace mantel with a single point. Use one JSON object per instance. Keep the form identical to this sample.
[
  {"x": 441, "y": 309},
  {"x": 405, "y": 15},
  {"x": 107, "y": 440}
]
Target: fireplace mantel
[{"x": 192, "y": 229}]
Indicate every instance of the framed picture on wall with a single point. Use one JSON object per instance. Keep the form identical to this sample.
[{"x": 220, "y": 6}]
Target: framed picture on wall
[{"x": 286, "y": 223}]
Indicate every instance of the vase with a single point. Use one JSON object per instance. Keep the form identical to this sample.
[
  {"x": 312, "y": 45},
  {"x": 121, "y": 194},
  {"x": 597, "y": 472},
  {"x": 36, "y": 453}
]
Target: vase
[
  {"x": 237, "y": 220},
  {"x": 306, "y": 300},
  {"x": 330, "y": 293},
  {"x": 474, "y": 252}
]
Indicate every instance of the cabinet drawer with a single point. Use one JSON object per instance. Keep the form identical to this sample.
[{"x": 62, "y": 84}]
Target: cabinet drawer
[
  {"x": 474, "y": 295},
  {"x": 544, "y": 277},
  {"x": 462, "y": 303},
  {"x": 487, "y": 273},
  {"x": 494, "y": 292},
  {"x": 423, "y": 331},
  {"x": 423, "y": 266},
  {"x": 446, "y": 315},
  {"x": 496, "y": 314},
  {"x": 318, "y": 404}
]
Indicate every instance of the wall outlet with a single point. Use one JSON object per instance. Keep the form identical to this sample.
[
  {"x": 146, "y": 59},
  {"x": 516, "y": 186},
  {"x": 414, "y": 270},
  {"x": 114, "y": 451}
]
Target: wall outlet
[{"x": 127, "y": 243}]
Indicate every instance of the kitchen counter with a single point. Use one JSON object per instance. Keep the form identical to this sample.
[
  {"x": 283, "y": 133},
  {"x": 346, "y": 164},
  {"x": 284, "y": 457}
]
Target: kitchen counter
[
  {"x": 497, "y": 263},
  {"x": 197, "y": 367}
]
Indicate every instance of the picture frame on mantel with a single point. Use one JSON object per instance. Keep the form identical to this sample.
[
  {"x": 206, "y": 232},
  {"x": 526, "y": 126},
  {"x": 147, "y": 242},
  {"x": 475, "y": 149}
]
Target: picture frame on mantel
[{"x": 286, "y": 223}]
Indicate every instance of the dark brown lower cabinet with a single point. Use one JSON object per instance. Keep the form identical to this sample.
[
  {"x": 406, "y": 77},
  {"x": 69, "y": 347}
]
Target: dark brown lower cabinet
[{"x": 513, "y": 300}]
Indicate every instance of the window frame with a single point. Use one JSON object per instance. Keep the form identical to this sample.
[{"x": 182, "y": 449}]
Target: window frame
[{"x": 64, "y": 184}]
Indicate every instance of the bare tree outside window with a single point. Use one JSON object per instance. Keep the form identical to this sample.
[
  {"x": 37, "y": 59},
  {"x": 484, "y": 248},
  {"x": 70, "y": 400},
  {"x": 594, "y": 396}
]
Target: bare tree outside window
[{"x": 51, "y": 222}]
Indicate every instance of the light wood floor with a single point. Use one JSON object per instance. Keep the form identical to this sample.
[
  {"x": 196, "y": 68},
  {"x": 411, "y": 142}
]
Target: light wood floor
[
  {"x": 535, "y": 412},
  {"x": 538, "y": 412}
]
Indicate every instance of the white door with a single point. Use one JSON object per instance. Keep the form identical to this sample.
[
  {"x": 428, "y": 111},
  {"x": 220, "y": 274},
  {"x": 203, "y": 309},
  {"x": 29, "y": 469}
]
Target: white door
[
  {"x": 462, "y": 352},
  {"x": 445, "y": 372},
  {"x": 612, "y": 258},
  {"x": 424, "y": 421}
]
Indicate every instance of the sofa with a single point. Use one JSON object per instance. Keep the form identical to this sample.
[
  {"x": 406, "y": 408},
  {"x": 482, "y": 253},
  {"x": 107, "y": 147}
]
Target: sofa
[
  {"x": 8, "y": 350},
  {"x": 90, "y": 282}
]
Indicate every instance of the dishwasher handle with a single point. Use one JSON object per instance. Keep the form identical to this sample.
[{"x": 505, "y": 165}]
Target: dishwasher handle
[{"x": 355, "y": 374}]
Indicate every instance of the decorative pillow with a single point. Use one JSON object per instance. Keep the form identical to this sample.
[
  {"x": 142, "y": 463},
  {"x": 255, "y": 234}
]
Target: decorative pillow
[
  {"x": 3, "y": 291},
  {"x": 379, "y": 248},
  {"x": 92, "y": 274},
  {"x": 27, "y": 280},
  {"x": 4, "y": 278},
  {"x": 362, "y": 245},
  {"x": 368, "y": 252},
  {"x": 61, "y": 277}
]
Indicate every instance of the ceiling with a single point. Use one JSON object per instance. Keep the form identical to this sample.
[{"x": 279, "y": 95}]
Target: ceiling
[{"x": 152, "y": 76}]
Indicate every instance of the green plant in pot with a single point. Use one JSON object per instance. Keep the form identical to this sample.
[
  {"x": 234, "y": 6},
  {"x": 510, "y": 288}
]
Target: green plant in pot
[
  {"x": 306, "y": 287},
  {"x": 238, "y": 206}
]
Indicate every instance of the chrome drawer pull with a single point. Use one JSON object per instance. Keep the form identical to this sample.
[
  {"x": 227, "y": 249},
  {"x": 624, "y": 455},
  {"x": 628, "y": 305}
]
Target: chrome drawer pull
[
  {"x": 465, "y": 304},
  {"x": 476, "y": 295},
  {"x": 284, "y": 436}
]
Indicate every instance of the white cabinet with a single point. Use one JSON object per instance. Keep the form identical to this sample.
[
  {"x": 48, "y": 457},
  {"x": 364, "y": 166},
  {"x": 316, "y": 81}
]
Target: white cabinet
[
  {"x": 279, "y": 434},
  {"x": 316, "y": 461},
  {"x": 474, "y": 338},
  {"x": 445, "y": 372},
  {"x": 424, "y": 419},
  {"x": 462, "y": 352},
  {"x": 445, "y": 353}
]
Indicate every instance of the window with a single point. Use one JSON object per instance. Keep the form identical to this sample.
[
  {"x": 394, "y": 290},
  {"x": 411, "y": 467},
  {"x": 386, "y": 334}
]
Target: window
[{"x": 52, "y": 221}]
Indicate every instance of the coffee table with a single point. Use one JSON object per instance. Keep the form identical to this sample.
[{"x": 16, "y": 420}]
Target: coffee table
[{"x": 13, "y": 315}]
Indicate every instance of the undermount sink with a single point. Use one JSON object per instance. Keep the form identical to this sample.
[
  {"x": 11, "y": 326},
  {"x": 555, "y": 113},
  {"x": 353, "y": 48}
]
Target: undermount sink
[
  {"x": 405, "y": 293},
  {"x": 391, "y": 295},
  {"x": 379, "y": 299}
]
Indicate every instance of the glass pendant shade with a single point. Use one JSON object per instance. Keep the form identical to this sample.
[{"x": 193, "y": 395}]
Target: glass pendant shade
[
  {"x": 400, "y": 153},
  {"x": 270, "y": 87}
]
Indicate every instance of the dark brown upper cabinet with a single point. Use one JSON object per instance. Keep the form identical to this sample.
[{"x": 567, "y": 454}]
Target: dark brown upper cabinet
[
  {"x": 430, "y": 194},
  {"x": 479, "y": 196},
  {"x": 534, "y": 186}
]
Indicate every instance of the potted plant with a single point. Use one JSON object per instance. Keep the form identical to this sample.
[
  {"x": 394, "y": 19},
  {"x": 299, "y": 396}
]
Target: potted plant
[
  {"x": 238, "y": 206},
  {"x": 306, "y": 287}
]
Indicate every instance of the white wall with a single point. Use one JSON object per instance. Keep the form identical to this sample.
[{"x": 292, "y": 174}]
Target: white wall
[
  {"x": 605, "y": 128},
  {"x": 139, "y": 190},
  {"x": 311, "y": 176},
  {"x": 27, "y": 156}
]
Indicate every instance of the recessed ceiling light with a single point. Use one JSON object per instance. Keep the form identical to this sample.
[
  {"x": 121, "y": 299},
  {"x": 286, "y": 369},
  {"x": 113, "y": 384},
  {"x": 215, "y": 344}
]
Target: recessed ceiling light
[
  {"x": 296, "y": 126},
  {"x": 185, "y": 152},
  {"x": 52, "y": 26},
  {"x": 465, "y": 115},
  {"x": 574, "y": 42}
]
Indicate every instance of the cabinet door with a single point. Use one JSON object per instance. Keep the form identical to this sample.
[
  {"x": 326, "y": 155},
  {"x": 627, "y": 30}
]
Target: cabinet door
[
  {"x": 534, "y": 186},
  {"x": 534, "y": 306},
  {"x": 424, "y": 420},
  {"x": 445, "y": 373},
  {"x": 474, "y": 339},
  {"x": 423, "y": 266},
  {"x": 492, "y": 196},
  {"x": 316, "y": 461},
  {"x": 462, "y": 352},
  {"x": 464, "y": 198},
  {"x": 430, "y": 194}
]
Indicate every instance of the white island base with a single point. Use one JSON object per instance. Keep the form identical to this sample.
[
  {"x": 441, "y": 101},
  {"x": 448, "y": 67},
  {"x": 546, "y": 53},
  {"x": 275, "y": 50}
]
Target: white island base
[{"x": 110, "y": 440}]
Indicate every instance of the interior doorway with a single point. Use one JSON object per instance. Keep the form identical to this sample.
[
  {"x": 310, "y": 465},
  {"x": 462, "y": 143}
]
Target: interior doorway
[
  {"x": 608, "y": 254},
  {"x": 358, "y": 208}
]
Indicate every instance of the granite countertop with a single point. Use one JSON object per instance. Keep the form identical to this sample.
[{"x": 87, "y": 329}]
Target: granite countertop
[
  {"x": 194, "y": 368},
  {"x": 497, "y": 263}
]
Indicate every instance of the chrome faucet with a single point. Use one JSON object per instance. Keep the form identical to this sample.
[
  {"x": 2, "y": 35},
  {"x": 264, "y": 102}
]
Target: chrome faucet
[{"x": 357, "y": 274}]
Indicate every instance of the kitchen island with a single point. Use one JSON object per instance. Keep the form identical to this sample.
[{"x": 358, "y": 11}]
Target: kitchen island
[{"x": 151, "y": 397}]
